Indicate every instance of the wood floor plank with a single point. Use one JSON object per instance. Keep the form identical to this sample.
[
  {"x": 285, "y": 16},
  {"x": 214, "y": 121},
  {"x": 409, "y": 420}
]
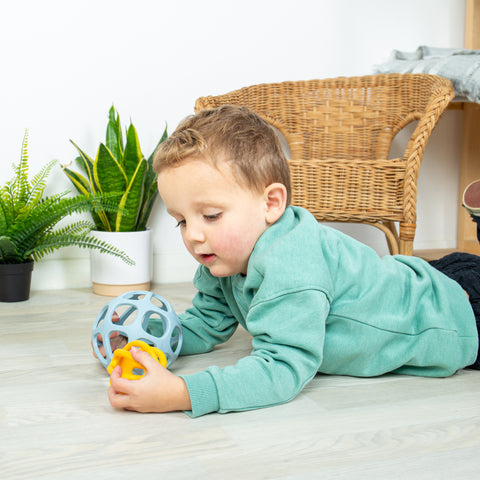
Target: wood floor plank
[{"x": 56, "y": 422}]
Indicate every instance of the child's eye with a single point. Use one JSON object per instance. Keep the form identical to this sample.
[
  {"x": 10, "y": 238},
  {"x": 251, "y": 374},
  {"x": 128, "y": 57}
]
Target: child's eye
[
  {"x": 213, "y": 217},
  {"x": 181, "y": 223}
]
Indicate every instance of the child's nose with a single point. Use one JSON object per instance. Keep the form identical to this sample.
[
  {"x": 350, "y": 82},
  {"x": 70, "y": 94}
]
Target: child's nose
[{"x": 194, "y": 234}]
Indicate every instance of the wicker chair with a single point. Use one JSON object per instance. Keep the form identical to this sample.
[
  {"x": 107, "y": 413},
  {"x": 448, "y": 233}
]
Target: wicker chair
[{"x": 339, "y": 132}]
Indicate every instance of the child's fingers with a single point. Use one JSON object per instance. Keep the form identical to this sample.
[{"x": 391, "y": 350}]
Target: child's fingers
[
  {"x": 122, "y": 392},
  {"x": 120, "y": 389},
  {"x": 144, "y": 358},
  {"x": 132, "y": 394},
  {"x": 118, "y": 399},
  {"x": 121, "y": 385}
]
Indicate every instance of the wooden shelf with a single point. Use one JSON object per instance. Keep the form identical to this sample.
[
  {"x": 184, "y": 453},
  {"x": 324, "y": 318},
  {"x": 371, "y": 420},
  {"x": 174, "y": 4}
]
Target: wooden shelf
[
  {"x": 470, "y": 156},
  {"x": 469, "y": 162},
  {"x": 433, "y": 254}
]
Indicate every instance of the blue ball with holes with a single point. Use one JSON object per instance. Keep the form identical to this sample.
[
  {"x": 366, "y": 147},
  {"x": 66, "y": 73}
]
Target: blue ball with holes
[{"x": 137, "y": 315}]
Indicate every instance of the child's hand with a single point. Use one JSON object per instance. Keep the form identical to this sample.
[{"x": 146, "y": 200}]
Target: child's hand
[{"x": 158, "y": 390}]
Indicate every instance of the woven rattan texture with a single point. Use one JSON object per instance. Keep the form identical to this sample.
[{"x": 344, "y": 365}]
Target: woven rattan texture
[{"x": 340, "y": 131}]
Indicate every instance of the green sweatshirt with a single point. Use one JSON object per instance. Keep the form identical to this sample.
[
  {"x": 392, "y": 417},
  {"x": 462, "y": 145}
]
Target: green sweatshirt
[{"x": 315, "y": 300}]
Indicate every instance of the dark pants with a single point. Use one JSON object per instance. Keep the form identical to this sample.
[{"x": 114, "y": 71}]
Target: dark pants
[{"x": 464, "y": 268}]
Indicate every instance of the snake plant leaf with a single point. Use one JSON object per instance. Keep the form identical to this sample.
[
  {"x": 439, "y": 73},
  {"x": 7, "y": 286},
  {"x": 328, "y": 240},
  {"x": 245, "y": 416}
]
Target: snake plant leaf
[
  {"x": 152, "y": 175},
  {"x": 131, "y": 202},
  {"x": 108, "y": 173},
  {"x": 164, "y": 137},
  {"x": 78, "y": 180},
  {"x": 151, "y": 189},
  {"x": 151, "y": 194},
  {"x": 117, "y": 169},
  {"x": 85, "y": 188},
  {"x": 133, "y": 155},
  {"x": 86, "y": 163},
  {"x": 114, "y": 136},
  {"x": 89, "y": 186},
  {"x": 114, "y": 119},
  {"x": 110, "y": 178}
]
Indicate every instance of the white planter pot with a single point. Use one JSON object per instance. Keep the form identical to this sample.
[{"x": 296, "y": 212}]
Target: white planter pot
[{"x": 110, "y": 275}]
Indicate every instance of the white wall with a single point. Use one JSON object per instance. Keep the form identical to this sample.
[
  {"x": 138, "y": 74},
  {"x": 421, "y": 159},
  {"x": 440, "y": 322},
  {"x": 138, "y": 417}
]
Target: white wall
[{"x": 64, "y": 63}]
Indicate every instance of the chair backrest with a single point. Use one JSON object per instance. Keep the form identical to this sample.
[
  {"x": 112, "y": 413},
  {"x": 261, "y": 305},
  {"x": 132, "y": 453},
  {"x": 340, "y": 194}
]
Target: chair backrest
[{"x": 339, "y": 133}]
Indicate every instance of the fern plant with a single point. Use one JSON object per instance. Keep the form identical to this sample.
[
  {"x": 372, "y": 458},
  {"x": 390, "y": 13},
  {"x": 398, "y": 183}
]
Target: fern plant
[
  {"x": 28, "y": 219},
  {"x": 119, "y": 169}
]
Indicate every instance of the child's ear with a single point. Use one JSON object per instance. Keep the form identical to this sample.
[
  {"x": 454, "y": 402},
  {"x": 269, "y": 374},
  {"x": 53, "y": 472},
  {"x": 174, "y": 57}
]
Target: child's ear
[{"x": 275, "y": 196}]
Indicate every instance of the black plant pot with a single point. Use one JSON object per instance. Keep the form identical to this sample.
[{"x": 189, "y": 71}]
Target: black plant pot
[{"x": 15, "y": 281}]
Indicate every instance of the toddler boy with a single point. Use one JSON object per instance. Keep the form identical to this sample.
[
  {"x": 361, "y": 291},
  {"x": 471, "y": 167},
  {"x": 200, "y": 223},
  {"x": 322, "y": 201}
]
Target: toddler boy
[{"x": 313, "y": 299}]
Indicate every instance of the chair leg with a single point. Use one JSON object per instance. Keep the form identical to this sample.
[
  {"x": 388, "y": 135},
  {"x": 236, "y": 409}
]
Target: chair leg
[
  {"x": 407, "y": 234},
  {"x": 395, "y": 247},
  {"x": 391, "y": 235},
  {"x": 406, "y": 247}
]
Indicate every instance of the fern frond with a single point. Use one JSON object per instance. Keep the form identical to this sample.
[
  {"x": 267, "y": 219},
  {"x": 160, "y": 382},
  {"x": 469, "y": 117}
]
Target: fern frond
[
  {"x": 56, "y": 240},
  {"x": 5, "y": 212},
  {"x": 76, "y": 228},
  {"x": 47, "y": 214},
  {"x": 33, "y": 228},
  {"x": 19, "y": 186},
  {"x": 39, "y": 183},
  {"x": 8, "y": 251},
  {"x": 28, "y": 220},
  {"x": 7, "y": 206},
  {"x": 33, "y": 212}
]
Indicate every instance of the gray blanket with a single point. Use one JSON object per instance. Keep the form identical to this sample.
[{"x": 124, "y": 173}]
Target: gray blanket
[{"x": 461, "y": 66}]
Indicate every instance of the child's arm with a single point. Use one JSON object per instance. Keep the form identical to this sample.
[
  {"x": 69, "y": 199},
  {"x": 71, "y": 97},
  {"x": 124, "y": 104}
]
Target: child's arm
[
  {"x": 158, "y": 391},
  {"x": 210, "y": 320},
  {"x": 288, "y": 342}
]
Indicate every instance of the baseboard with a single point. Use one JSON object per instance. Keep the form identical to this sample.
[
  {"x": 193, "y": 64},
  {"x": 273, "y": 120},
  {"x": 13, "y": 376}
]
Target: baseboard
[{"x": 64, "y": 273}]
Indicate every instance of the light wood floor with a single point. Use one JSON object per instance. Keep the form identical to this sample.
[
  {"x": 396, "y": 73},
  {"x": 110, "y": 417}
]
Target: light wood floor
[{"x": 56, "y": 422}]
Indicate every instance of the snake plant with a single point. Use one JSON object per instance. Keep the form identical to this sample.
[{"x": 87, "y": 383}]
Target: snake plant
[
  {"x": 121, "y": 170},
  {"x": 28, "y": 218}
]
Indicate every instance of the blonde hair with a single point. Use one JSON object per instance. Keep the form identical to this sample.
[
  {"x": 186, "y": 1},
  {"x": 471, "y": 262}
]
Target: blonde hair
[{"x": 232, "y": 134}]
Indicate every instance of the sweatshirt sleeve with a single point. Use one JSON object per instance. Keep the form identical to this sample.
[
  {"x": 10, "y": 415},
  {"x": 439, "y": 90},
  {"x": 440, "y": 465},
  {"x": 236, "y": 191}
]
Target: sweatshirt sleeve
[
  {"x": 209, "y": 321},
  {"x": 287, "y": 351}
]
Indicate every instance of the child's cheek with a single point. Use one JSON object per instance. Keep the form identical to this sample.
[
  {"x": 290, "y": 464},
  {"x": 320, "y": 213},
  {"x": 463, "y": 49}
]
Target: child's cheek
[{"x": 232, "y": 242}]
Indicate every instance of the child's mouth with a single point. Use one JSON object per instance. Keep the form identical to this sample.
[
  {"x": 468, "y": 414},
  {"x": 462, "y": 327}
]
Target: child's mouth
[{"x": 208, "y": 257}]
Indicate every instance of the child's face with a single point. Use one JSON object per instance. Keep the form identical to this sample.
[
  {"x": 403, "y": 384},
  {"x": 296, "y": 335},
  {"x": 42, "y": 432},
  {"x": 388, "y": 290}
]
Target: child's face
[{"x": 220, "y": 220}]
